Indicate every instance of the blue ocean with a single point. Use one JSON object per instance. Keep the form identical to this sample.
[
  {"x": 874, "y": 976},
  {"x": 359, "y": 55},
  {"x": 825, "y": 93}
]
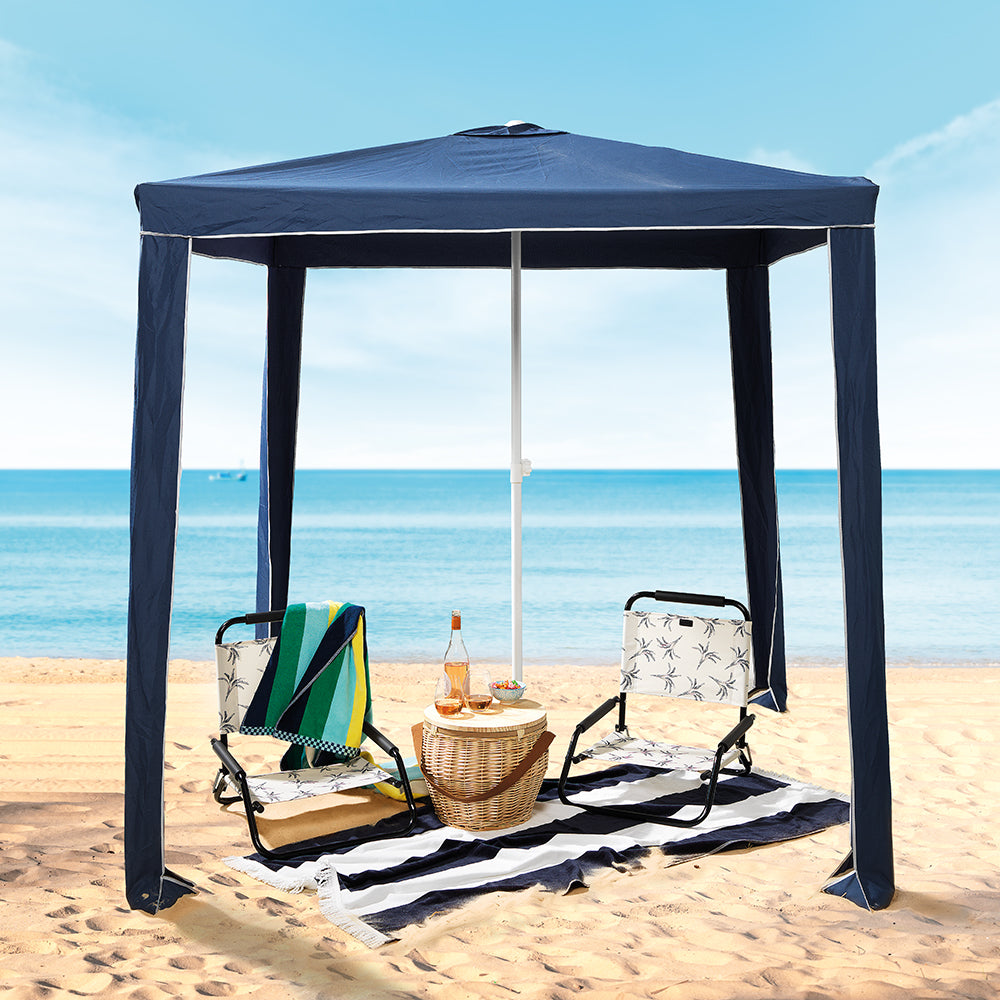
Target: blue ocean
[{"x": 411, "y": 546}]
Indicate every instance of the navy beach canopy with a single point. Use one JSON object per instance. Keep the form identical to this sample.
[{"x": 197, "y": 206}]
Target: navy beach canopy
[{"x": 511, "y": 196}]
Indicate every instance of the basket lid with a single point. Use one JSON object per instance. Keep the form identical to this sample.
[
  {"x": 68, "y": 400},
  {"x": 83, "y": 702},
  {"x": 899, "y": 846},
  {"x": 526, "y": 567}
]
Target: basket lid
[{"x": 500, "y": 718}]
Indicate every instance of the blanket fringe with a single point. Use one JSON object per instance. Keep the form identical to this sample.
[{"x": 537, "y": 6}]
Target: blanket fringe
[
  {"x": 327, "y": 885},
  {"x": 289, "y": 879},
  {"x": 788, "y": 780},
  {"x": 332, "y": 908}
]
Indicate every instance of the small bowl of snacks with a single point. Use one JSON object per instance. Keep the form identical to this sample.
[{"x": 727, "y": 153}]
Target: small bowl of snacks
[{"x": 508, "y": 691}]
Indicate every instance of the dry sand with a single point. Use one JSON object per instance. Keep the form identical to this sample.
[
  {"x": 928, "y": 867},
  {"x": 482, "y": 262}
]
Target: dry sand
[{"x": 742, "y": 924}]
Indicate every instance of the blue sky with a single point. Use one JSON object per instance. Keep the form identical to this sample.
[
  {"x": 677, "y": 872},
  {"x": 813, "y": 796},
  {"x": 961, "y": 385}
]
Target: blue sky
[{"x": 407, "y": 369}]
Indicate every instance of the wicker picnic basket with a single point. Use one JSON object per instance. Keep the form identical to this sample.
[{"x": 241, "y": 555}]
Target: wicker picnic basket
[{"x": 483, "y": 774}]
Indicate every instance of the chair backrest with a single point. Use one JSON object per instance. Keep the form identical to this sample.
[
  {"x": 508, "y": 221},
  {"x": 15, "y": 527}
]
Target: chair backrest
[
  {"x": 683, "y": 656},
  {"x": 240, "y": 666}
]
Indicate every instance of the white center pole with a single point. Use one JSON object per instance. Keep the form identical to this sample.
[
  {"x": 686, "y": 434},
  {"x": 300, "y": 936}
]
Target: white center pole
[{"x": 516, "y": 464}]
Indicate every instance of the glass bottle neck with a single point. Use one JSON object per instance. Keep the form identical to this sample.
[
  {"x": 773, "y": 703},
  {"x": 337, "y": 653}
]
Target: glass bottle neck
[{"x": 456, "y": 648}]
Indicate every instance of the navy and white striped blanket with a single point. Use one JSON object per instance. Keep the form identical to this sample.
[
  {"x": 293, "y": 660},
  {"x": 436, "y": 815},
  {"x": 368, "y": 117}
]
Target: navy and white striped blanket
[{"x": 373, "y": 890}]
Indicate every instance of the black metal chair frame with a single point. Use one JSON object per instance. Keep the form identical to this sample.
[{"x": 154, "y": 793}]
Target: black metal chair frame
[
  {"x": 735, "y": 738},
  {"x": 231, "y": 768}
]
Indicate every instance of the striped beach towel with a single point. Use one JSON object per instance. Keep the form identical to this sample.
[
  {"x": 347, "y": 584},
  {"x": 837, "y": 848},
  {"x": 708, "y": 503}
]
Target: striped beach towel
[
  {"x": 315, "y": 690},
  {"x": 373, "y": 890}
]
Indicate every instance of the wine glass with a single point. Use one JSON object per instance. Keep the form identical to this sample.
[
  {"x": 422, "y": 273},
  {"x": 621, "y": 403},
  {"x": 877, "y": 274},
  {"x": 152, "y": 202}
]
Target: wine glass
[
  {"x": 480, "y": 695},
  {"x": 448, "y": 697}
]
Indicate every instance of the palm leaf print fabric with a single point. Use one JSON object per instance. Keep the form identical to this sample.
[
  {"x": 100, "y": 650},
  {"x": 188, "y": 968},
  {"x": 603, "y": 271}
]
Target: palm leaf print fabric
[
  {"x": 240, "y": 666},
  {"x": 681, "y": 656}
]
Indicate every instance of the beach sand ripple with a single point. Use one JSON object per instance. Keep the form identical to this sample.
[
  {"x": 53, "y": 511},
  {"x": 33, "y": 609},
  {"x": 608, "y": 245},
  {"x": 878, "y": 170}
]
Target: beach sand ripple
[{"x": 746, "y": 924}]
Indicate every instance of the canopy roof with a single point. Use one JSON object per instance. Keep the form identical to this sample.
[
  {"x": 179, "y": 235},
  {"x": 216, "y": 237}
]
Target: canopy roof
[{"x": 581, "y": 201}]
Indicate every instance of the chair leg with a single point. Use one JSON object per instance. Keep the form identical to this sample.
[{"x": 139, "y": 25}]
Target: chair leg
[
  {"x": 711, "y": 777},
  {"x": 219, "y": 787},
  {"x": 340, "y": 839},
  {"x": 591, "y": 720},
  {"x": 232, "y": 769},
  {"x": 746, "y": 762},
  {"x": 645, "y": 817}
]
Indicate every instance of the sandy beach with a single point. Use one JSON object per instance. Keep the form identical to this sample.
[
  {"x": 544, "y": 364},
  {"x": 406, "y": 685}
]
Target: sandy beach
[{"x": 740, "y": 924}]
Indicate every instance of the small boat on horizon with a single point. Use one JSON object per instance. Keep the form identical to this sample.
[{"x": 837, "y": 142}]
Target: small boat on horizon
[{"x": 228, "y": 477}]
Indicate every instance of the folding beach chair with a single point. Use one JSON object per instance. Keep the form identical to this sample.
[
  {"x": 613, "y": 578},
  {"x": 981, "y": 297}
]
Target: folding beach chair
[
  {"x": 675, "y": 656},
  {"x": 308, "y": 687}
]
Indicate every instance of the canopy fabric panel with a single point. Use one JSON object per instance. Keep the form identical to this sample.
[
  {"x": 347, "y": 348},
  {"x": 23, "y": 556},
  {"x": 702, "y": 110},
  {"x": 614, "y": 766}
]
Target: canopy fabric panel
[
  {"x": 156, "y": 444},
  {"x": 529, "y": 179},
  {"x": 866, "y": 877},
  {"x": 286, "y": 288},
  {"x": 455, "y": 201},
  {"x": 750, "y": 348}
]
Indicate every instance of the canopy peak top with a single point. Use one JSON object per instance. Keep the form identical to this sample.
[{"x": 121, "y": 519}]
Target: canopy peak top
[{"x": 512, "y": 128}]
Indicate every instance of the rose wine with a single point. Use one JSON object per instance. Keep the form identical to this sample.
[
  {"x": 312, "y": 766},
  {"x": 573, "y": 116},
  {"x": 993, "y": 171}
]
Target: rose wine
[
  {"x": 458, "y": 673},
  {"x": 479, "y": 702},
  {"x": 453, "y": 684}
]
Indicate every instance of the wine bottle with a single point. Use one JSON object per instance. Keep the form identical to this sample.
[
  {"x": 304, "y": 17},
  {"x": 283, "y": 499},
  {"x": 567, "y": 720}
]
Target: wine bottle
[{"x": 453, "y": 688}]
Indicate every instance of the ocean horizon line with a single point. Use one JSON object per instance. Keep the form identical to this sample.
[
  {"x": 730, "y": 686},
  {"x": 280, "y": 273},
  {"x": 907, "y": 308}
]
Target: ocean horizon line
[{"x": 494, "y": 468}]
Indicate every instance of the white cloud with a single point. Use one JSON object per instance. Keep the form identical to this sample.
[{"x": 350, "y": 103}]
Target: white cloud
[
  {"x": 786, "y": 159},
  {"x": 961, "y": 138},
  {"x": 609, "y": 358},
  {"x": 66, "y": 304},
  {"x": 69, "y": 262},
  {"x": 938, "y": 261},
  {"x": 939, "y": 354},
  {"x": 410, "y": 368}
]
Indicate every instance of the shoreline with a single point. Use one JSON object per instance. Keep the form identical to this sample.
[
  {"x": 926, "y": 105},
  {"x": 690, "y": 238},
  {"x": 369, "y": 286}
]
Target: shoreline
[{"x": 95, "y": 670}]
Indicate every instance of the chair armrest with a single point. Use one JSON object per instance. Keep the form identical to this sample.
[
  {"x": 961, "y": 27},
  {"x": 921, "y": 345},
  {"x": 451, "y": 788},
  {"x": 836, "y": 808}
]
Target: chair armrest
[
  {"x": 736, "y": 734},
  {"x": 596, "y": 715},
  {"x": 387, "y": 746},
  {"x": 229, "y": 762},
  {"x": 382, "y": 742}
]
